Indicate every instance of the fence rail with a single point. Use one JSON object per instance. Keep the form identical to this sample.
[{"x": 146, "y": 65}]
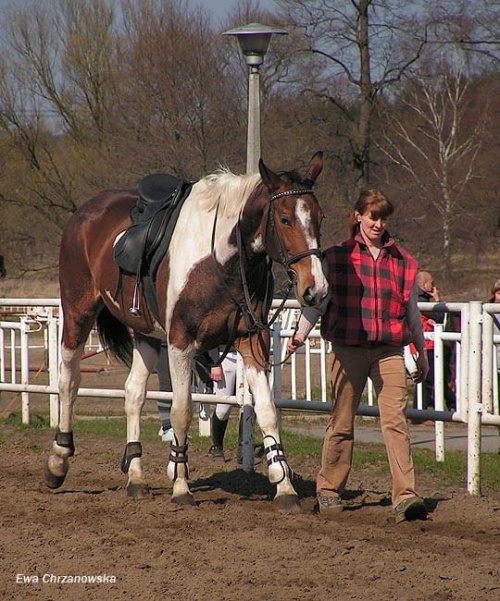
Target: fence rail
[{"x": 300, "y": 383}]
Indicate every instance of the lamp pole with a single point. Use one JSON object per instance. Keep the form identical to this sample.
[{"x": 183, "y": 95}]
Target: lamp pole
[{"x": 254, "y": 40}]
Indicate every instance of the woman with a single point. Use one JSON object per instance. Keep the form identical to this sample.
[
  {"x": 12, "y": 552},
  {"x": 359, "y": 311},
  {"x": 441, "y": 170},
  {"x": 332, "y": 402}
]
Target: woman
[{"x": 369, "y": 316}]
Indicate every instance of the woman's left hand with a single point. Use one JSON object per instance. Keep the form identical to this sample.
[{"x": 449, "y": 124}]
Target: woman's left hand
[{"x": 422, "y": 367}]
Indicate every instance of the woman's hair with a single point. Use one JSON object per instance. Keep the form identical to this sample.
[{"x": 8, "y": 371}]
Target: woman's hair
[
  {"x": 494, "y": 288},
  {"x": 371, "y": 201}
]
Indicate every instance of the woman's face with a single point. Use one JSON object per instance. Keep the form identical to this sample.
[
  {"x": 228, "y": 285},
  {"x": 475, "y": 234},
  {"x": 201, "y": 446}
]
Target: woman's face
[
  {"x": 371, "y": 229},
  {"x": 496, "y": 297}
]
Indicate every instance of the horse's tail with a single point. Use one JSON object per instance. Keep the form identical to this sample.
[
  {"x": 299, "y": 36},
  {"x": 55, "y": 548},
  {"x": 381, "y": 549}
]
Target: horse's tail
[{"x": 115, "y": 336}]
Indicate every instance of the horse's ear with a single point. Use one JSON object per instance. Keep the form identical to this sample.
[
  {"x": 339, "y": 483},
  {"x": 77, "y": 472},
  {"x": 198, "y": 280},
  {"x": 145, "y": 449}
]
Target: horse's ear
[
  {"x": 315, "y": 167},
  {"x": 271, "y": 179}
]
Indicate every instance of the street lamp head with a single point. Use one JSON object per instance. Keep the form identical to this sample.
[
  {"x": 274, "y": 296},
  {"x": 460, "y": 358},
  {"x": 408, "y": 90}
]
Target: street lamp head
[{"x": 254, "y": 41}]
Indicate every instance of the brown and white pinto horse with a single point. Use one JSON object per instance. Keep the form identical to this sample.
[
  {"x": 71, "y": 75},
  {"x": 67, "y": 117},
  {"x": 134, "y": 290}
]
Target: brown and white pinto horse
[{"x": 227, "y": 229}]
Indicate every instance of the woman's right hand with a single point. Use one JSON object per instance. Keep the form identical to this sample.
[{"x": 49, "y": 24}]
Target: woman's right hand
[
  {"x": 216, "y": 373},
  {"x": 295, "y": 342}
]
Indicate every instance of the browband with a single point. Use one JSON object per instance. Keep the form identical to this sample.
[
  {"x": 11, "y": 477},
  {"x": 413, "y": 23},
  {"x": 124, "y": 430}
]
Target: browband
[{"x": 290, "y": 193}]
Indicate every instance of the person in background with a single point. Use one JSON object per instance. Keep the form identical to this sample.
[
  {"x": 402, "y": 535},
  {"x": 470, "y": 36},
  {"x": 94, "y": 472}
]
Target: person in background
[
  {"x": 3, "y": 271},
  {"x": 495, "y": 298},
  {"x": 370, "y": 314},
  {"x": 202, "y": 383},
  {"x": 428, "y": 293},
  {"x": 224, "y": 377}
]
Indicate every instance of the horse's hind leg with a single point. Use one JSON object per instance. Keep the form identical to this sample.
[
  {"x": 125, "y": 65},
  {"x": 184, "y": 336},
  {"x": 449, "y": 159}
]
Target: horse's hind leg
[
  {"x": 144, "y": 361},
  {"x": 278, "y": 470},
  {"x": 63, "y": 447},
  {"x": 181, "y": 416}
]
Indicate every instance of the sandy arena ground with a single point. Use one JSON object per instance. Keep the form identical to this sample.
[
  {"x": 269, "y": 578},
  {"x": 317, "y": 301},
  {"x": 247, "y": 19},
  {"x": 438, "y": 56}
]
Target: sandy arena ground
[{"x": 234, "y": 545}]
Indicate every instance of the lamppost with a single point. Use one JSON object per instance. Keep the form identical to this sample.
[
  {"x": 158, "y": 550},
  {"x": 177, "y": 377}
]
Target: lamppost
[{"x": 254, "y": 41}]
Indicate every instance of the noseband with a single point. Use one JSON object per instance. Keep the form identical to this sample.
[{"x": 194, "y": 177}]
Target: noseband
[{"x": 285, "y": 259}]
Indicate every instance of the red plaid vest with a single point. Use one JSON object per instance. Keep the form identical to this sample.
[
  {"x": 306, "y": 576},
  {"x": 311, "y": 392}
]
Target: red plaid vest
[{"x": 369, "y": 297}]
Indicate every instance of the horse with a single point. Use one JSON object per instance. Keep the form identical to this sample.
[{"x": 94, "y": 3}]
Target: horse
[{"x": 213, "y": 287}]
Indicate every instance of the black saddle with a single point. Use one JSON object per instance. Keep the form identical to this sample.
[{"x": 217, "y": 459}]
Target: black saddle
[
  {"x": 136, "y": 252},
  {"x": 157, "y": 188},
  {"x": 142, "y": 246}
]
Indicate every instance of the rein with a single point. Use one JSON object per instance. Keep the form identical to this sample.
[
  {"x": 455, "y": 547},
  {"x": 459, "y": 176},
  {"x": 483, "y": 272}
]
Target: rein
[{"x": 253, "y": 322}]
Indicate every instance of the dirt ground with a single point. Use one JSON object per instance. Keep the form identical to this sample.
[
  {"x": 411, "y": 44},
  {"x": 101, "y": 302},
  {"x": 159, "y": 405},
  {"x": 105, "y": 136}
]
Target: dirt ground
[{"x": 234, "y": 545}]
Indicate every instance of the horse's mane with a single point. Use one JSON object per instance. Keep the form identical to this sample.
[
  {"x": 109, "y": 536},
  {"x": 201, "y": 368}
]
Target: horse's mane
[{"x": 227, "y": 191}]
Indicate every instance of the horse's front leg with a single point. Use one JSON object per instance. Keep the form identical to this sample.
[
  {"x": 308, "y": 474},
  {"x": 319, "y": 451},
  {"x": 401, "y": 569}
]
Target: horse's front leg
[
  {"x": 144, "y": 360},
  {"x": 181, "y": 416},
  {"x": 278, "y": 469},
  {"x": 63, "y": 446}
]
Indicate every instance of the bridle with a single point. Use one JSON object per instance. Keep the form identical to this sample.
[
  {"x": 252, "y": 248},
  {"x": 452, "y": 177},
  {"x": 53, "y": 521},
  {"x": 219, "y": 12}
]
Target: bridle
[
  {"x": 257, "y": 324},
  {"x": 284, "y": 259}
]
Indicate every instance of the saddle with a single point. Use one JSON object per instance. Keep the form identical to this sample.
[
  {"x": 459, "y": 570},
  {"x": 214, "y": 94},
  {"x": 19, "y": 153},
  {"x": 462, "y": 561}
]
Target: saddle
[{"x": 140, "y": 249}]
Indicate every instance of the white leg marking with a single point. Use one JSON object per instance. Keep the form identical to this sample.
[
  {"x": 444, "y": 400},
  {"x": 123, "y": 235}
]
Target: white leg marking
[
  {"x": 144, "y": 360},
  {"x": 69, "y": 382},
  {"x": 181, "y": 413},
  {"x": 265, "y": 412},
  {"x": 303, "y": 215}
]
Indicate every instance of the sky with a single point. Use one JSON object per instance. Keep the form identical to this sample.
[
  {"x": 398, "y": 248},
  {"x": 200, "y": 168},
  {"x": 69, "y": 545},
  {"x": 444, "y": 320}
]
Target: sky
[{"x": 219, "y": 8}]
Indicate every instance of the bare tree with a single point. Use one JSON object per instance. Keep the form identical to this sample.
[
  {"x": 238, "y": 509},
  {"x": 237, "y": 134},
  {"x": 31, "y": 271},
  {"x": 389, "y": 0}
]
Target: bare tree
[
  {"x": 472, "y": 27},
  {"x": 359, "y": 50},
  {"x": 429, "y": 138}
]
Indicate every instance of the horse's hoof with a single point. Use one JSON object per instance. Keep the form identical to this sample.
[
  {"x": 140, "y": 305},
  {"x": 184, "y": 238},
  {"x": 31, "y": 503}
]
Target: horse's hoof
[
  {"x": 138, "y": 491},
  {"x": 52, "y": 481},
  {"x": 288, "y": 503},
  {"x": 185, "y": 499}
]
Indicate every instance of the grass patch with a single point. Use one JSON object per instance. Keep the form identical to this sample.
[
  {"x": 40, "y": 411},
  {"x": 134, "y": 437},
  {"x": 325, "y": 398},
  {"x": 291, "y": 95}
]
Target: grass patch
[
  {"x": 297, "y": 446},
  {"x": 37, "y": 422}
]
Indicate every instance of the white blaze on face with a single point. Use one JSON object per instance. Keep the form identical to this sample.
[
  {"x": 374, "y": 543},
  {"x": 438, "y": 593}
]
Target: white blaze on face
[{"x": 303, "y": 216}]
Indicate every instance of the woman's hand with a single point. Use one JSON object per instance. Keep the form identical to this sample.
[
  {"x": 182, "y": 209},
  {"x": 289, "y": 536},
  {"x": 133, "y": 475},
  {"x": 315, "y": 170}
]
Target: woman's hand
[
  {"x": 295, "y": 342},
  {"x": 216, "y": 373},
  {"x": 422, "y": 368}
]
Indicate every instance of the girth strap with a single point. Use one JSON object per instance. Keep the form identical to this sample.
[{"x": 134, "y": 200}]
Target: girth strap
[{"x": 133, "y": 450}]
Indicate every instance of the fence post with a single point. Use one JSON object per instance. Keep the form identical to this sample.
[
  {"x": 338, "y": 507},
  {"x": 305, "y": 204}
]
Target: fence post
[
  {"x": 25, "y": 370},
  {"x": 246, "y": 418},
  {"x": 53, "y": 342},
  {"x": 276, "y": 379},
  {"x": 487, "y": 362},
  {"x": 323, "y": 369},
  {"x": 2, "y": 355},
  {"x": 474, "y": 402},
  {"x": 463, "y": 397},
  {"x": 439, "y": 384}
]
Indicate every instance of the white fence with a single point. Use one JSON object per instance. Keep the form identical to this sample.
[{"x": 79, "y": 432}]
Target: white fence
[{"x": 294, "y": 383}]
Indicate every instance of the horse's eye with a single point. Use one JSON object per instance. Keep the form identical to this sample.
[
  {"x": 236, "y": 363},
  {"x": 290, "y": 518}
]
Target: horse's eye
[{"x": 285, "y": 221}]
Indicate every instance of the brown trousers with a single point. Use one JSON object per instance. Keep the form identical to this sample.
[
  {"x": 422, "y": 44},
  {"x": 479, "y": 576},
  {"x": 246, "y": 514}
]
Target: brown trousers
[{"x": 350, "y": 367}]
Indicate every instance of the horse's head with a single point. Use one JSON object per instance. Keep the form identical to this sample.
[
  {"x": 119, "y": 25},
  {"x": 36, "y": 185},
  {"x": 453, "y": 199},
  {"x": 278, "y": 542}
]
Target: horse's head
[{"x": 293, "y": 228}]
